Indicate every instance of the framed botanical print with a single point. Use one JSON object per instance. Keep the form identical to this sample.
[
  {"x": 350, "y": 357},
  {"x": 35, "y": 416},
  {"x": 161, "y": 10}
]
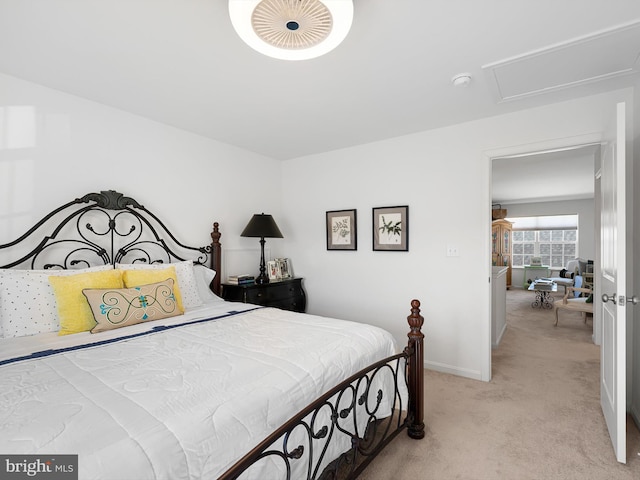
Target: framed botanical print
[
  {"x": 391, "y": 229},
  {"x": 342, "y": 230}
]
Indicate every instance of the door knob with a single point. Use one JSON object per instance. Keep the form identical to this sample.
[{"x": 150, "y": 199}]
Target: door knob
[{"x": 606, "y": 298}]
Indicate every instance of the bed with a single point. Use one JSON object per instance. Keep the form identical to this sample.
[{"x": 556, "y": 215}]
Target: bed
[{"x": 183, "y": 385}]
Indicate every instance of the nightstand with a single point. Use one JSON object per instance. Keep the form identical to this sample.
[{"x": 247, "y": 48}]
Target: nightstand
[{"x": 286, "y": 294}]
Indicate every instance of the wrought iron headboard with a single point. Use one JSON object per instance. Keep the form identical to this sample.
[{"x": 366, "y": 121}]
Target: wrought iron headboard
[{"x": 99, "y": 229}]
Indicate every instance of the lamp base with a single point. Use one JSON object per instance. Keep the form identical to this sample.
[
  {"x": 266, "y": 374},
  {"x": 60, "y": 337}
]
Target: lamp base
[{"x": 262, "y": 278}]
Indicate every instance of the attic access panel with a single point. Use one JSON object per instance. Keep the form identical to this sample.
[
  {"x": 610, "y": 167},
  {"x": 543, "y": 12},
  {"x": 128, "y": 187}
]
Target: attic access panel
[{"x": 605, "y": 55}]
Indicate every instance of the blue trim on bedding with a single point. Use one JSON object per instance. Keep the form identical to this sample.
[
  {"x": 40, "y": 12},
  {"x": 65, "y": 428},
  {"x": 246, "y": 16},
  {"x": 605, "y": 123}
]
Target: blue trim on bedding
[{"x": 156, "y": 329}]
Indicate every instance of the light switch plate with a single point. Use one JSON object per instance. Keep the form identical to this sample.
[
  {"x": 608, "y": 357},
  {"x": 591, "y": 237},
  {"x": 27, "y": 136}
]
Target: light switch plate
[{"x": 452, "y": 251}]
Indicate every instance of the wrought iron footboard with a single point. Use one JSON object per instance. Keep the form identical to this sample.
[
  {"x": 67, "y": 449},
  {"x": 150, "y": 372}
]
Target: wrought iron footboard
[{"x": 363, "y": 413}]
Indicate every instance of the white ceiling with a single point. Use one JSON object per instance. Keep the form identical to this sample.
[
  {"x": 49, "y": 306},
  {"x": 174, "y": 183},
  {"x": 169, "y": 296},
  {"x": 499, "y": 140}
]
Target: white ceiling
[
  {"x": 544, "y": 177},
  {"x": 180, "y": 62}
]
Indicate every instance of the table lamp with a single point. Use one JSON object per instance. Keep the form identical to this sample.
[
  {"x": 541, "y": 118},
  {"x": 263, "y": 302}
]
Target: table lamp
[{"x": 262, "y": 226}]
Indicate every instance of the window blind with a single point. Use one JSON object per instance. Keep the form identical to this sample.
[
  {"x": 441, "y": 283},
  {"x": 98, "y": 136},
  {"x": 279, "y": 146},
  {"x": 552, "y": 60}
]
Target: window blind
[{"x": 549, "y": 222}]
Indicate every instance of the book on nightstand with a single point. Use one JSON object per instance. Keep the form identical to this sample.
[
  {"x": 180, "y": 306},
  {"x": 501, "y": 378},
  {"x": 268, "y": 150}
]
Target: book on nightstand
[{"x": 241, "y": 279}]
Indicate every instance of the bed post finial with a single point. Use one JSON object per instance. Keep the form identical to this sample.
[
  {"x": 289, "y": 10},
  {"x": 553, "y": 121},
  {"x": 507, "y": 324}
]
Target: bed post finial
[
  {"x": 415, "y": 320},
  {"x": 215, "y": 233},
  {"x": 216, "y": 255},
  {"x": 416, "y": 372}
]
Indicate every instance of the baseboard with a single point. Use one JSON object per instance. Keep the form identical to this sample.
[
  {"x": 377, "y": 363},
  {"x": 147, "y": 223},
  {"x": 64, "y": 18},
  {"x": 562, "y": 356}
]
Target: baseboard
[
  {"x": 504, "y": 329},
  {"x": 461, "y": 372}
]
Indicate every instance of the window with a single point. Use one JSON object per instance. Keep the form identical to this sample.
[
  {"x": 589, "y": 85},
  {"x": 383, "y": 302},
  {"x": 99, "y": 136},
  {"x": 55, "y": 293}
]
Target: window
[{"x": 553, "y": 239}]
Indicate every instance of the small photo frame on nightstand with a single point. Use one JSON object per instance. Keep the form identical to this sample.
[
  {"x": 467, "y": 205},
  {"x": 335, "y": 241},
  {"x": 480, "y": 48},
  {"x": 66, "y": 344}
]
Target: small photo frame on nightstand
[
  {"x": 273, "y": 270},
  {"x": 284, "y": 265}
]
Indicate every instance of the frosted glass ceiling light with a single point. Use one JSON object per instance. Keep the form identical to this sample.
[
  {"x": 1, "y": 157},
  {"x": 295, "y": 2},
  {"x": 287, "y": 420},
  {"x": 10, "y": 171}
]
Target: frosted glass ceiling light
[{"x": 292, "y": 29}]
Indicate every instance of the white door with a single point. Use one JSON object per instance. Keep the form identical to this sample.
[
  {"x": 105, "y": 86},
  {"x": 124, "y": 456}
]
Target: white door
[{"x": 613, "y": 283}]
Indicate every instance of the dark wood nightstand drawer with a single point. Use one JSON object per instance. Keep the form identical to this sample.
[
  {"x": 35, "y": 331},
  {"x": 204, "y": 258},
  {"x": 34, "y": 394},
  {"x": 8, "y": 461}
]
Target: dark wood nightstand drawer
[{"x": 286, "y": 294}]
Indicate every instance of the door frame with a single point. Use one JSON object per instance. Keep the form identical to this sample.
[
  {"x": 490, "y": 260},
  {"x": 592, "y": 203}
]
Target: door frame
[{"x": 545, "y": 146}]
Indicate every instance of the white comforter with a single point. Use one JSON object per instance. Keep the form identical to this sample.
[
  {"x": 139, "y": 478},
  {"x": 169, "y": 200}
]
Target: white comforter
[{"x": 183, "y": 403}]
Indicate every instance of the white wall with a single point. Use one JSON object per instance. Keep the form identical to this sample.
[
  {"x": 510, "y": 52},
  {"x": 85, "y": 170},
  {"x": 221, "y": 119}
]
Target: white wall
[
  {"x": 55, "y": 147},
  {"x": 585, "y": 209},
  {"x": 443, "y": 175}
]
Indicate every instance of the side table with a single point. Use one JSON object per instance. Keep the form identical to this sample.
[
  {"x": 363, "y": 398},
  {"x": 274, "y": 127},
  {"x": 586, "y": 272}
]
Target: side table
[
  {"x": 286, "y": 294},
  {"x": 543, "y": 294}
]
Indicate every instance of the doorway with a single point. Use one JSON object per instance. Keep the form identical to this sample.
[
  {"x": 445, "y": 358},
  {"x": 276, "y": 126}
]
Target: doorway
[
  {"x": 522, "y": 164},
  {"x": 542, "y": 161},
  {"x": 549, "y": 183}
]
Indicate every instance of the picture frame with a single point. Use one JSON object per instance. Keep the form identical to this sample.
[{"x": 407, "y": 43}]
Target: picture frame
[
  {"x": 342, "y": 229},
  {"x": 391, "y": 228},
  {"x": 284, "y": 268},
  {"x": 273, "y": 270}
]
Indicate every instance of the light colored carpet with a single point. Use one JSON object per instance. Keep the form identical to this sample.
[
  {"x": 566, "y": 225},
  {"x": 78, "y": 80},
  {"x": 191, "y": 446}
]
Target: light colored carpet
[{"x": 539, "y": 418}]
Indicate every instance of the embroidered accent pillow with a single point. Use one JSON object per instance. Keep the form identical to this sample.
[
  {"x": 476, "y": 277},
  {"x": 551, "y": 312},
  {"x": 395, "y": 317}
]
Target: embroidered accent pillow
[{"x": 116, "y": 308}]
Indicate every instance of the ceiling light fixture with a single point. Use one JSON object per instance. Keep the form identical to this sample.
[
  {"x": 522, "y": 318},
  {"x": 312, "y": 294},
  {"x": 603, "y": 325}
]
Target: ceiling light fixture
[
  {"x": 292, "y": 29},
  {"x": 461, "y": 80}
]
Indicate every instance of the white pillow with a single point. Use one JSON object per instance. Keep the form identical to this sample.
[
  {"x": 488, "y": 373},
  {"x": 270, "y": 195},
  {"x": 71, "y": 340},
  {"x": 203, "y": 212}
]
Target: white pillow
[
  {"x": 184, "y": 273},
  {"x": 27, "y": 302},
  {"x": 205, "y": 276}
]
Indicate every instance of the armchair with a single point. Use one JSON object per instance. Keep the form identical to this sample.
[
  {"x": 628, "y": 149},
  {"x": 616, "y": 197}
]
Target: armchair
[
  {"x": 573, "y": 302},
  {"x": 573, "y": 269}
]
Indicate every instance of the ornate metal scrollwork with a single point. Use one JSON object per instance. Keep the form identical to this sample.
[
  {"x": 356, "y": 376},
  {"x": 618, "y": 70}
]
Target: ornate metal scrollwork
[
  {"x": 99, "y": 229},
  {"x": 354, "y": 410},
  {"x": 111, "y": 200}
]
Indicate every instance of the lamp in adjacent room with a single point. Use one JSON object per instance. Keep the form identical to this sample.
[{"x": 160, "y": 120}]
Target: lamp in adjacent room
[{"x": 262, "y": 226}]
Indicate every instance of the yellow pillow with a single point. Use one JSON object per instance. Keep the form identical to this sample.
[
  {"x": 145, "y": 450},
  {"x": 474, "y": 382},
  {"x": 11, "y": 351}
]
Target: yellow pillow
[
  {"x": 73, "y": 308},
  {"x": 137, "y": 278}
]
